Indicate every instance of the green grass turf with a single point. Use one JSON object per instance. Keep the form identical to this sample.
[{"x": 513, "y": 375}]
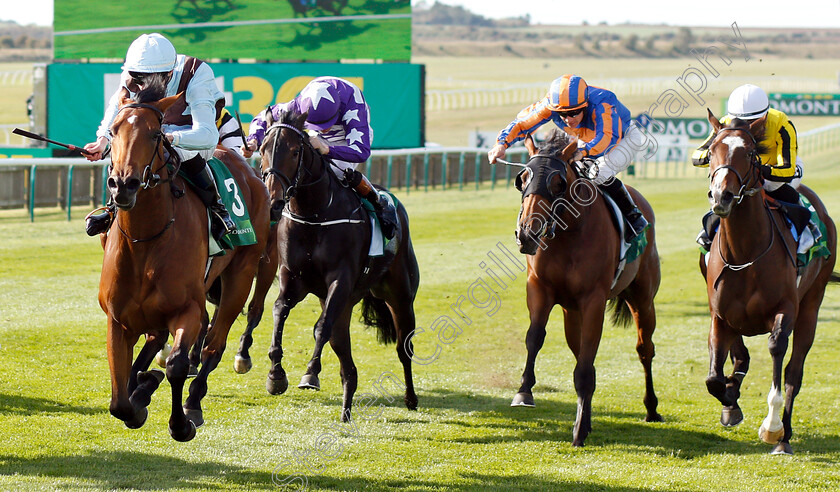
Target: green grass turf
[{"x": 54, "y": 384}]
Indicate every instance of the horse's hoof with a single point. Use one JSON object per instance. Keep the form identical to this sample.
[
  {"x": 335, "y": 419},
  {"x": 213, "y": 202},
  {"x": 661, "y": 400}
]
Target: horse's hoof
[
  {"x": 241, "y": 364},
  {"x": 139, "y": 419},
  {"x": 185, "y": 436},
  {"x": 193, "y": 372},
  {"x": 524, "y": 400},
  {"x": 577, "y": 443},
  {"x": 277, "y": 386},
  {"x": 654, "y": 417},
  {"x": 162, "y": 354},
  {"x": 783, "y": 448},
  {"x": 771, "y": 437},
  {"x": 731, "y": 416},
  {"x": 194, "y": 416},
  {"x": 310, "y": 381},
  {"x": 345, "y": 415},
  {"x": 411, "y": 402}
]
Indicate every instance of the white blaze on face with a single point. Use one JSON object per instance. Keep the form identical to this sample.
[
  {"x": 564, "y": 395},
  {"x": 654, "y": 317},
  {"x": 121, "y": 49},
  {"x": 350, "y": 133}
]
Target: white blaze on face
[
  {"x": 131, "y": 119},
  {"x": 732, "y": 142}
]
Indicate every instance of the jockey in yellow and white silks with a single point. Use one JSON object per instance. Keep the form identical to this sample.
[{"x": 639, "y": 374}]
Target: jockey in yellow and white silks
[{"x": 602, "y": 125}]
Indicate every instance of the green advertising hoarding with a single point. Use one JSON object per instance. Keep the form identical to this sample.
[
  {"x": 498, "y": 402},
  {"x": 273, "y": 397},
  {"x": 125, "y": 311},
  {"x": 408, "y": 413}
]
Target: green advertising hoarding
[
  {"x": 286, "y": 30},
  {"x": 77, "y": 94},
  {"x": 806, "y": 104}
]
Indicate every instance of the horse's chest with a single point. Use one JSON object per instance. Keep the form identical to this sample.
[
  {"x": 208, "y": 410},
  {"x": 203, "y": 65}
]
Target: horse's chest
[{"x": 748, "y": 311}]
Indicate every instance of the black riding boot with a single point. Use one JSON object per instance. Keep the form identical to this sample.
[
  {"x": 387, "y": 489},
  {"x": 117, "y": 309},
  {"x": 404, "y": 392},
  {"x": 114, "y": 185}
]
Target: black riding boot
[
  {"x": 99, "y": 220},
  {"x": 785, "y": 193},
  {"x": 199, "y": 174},
  {"x": 633, "y": 217},
  {"x": 710, "y": 223},
  {"x": 384, "y": 210}
]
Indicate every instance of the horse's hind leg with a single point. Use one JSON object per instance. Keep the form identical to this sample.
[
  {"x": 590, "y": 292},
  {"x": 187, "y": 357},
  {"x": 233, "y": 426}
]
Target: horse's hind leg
[
  {"x": 645, "y": 317},
  {"x": 266, "y": 273},
  {"x": 340, "y": 342},
  {"x": 195, "y": 350},
  {"x": 236, "y": 284},
  {"x": 404, "y": 320}
]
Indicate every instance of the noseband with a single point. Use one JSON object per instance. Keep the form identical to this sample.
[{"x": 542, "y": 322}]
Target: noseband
[
  {"x": 755, "y": 169},
  {"x": 290, "y": 185}
]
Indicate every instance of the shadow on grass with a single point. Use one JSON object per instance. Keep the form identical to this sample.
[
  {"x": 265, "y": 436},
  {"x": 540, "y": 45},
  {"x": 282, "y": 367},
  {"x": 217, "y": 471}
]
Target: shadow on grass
[
  {"x": 144, "y": 471},
  {"x": 469, "y": 482},
  {"x": 25, "y": 405}
]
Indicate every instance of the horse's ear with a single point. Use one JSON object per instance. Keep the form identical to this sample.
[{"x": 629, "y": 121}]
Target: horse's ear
[
  {"x": 531, "y": 146},
  {"x": 757, "y": 127},
  {"x": 714, "y": 121},
  {"x": 569, "y": 151},
  {"x": 269, "y": 116},
  {"x": 164, "y": 103},
  {"x": 301, "y": 120}
]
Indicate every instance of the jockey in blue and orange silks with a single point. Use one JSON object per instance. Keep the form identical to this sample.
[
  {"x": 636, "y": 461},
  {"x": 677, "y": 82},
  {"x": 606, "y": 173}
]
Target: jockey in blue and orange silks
[
  {"x": 604, "y": 131},
  {"x": 338, "y": 119}
]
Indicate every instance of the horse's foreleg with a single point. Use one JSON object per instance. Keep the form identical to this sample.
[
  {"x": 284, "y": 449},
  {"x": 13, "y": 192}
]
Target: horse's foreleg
[
  {"x": 332, "y": 307},
  {"x": 142, "y": 383},
  {"x": 539, "y": 307},
  {"x": 290, "y": 294},
  {"x": 645, "y": 318},
  {"x": 732, "y": 415},
  {"x": 592, "y": 318},
  {"x": 120, "y": 348},
  {"x": 185, "y": 329},
  {"x": 772, "y": 430},
  {"x": 266, "y": 273},
  {"x": 340, "y": 342},
  {"x": 721, "y": 338}
]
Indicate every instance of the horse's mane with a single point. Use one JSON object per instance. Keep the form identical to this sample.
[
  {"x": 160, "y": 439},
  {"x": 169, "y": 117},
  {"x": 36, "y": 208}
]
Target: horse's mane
[
  {"x": 739, "y": 124},
  {"x": 153, "y": 89},
  {"x": 556, "y": 141}
]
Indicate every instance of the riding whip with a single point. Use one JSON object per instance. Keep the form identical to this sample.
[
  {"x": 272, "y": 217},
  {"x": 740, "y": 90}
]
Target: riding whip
[{"x": 35, "y": 136}]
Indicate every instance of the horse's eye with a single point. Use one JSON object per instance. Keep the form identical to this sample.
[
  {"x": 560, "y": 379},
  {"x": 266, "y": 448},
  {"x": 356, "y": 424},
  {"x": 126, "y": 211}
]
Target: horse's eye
[{"x": 296, "y": 152}]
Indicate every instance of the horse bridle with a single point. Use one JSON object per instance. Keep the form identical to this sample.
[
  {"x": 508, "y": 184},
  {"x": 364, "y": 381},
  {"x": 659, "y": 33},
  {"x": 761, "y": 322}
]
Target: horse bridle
[
  {"x": 290, "y": 185},
  {"x": 548, "y": 228},
  {"x": 151, "y": 178},
  {"x": 755, "y": 169}
]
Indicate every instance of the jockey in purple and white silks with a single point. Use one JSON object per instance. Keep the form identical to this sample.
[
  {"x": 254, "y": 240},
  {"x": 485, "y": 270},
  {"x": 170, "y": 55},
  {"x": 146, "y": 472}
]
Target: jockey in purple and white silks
[{"x": 338, "y": 120}]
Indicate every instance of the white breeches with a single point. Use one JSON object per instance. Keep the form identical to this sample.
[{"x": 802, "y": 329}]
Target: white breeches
[
  {"x": 619, "y": 158},
  {"x": 774, "y": 185}
]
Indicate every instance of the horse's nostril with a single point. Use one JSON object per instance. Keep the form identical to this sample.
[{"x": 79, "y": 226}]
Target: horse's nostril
[
  {"x": 133, "y": 184},
  {"x": 277, "y": 205},
  {"x": 112, "y": 182}
]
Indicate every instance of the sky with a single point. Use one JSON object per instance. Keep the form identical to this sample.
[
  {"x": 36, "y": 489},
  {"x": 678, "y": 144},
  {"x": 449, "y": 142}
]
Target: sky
[{"x": 717, "y": 13}]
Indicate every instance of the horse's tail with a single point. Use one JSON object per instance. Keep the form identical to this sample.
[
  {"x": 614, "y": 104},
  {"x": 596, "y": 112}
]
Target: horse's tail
[
  {"x": 621, "y": 315},
  {"x": 375, "y": 313}
]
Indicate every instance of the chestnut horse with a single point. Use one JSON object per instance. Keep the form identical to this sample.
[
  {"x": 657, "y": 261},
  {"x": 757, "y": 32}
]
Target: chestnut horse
[
  {"x": 572, "y": 244},
  {"x": 753, "y": 283},
  {"x": 323, "y": 237},
  {"x": 155, "y": 266}
]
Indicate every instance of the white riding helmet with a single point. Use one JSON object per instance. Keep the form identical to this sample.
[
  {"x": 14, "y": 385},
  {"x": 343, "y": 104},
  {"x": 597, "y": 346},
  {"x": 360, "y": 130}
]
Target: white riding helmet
[
  {"x": 150, "y": 53},
  {"x": 748, "y": 102}
]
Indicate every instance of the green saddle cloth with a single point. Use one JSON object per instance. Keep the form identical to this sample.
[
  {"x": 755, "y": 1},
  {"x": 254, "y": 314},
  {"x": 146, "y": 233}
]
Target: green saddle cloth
[
  {"x": 637, "y": 247},
  {"x": 232, "y": 197},
  {"x": 372, "y": 212},
  {"x": 820, "y": 248}
]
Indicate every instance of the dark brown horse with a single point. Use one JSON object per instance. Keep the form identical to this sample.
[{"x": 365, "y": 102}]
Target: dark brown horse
[
  {"x": 572, "y": 245},
  {"x": 753, "y": 283},
  {"x": 323, "y": 238},
  {"x": 154, "y": 270}
]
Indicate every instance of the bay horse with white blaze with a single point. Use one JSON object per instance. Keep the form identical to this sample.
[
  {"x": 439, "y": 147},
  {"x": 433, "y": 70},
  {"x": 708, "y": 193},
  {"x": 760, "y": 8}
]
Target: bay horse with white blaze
[
  {"x": 323, "y": 239},
  {"x": 575, "y": 267},
  {"x": 753, "y": 283},
  {"x": 155, "y": 267}
]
